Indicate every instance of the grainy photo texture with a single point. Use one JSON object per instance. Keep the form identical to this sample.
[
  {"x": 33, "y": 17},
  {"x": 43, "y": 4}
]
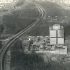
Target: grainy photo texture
[{"x": 34, "y": 34}]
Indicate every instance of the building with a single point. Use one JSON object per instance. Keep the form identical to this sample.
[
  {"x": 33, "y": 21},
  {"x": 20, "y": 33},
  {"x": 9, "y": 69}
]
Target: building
[
  {"x": 56, "y": 35},
  {"x": 54, "y": 43}
]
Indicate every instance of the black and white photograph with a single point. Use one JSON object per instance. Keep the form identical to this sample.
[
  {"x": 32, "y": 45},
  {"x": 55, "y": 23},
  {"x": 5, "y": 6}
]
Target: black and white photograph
[{"x": 34, "y": 34}]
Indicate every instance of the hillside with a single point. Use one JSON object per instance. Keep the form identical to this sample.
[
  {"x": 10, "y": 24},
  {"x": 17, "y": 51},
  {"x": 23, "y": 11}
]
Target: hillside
[{"x": 19, "y": 19}]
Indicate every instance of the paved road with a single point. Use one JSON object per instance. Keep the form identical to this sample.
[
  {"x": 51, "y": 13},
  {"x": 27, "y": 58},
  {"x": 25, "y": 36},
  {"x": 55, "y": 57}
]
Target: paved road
[
  {"x": 41, "y": 10},
  {"x": 13, "y": 39}
]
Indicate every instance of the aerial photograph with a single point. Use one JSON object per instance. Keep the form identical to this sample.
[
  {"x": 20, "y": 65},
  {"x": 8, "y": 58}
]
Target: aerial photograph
[{"x": 34, "y": 34}]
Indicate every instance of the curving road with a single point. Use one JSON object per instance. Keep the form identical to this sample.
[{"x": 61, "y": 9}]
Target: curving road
[
  {"x": 18, "y": 35},
  {"x": 13, "y": 39}
]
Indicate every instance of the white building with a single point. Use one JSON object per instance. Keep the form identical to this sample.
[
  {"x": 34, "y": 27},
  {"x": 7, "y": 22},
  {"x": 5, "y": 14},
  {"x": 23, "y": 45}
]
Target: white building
[
  {"x": 54, "y": 43},
  {"x": 56, "y": 33}
]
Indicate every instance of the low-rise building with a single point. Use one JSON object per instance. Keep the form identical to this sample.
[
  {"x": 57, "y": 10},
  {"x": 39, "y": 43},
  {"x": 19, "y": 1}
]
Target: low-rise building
[{"x": 54, "y": 43}]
